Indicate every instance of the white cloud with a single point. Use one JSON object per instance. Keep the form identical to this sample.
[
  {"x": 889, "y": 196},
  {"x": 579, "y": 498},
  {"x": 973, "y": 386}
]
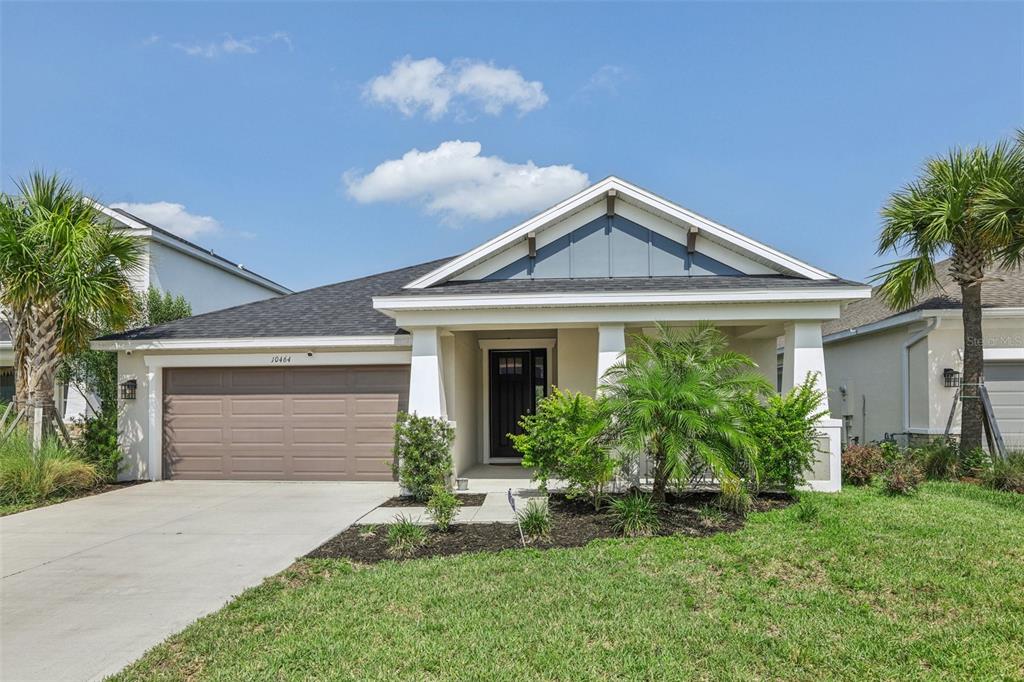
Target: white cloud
[
  {"x": 606, "y": 79},
  {"x": 172, "y": 217},
  {"x": 454, "y": 180},
  {"x": 231, "y": 45},
  {"x": 430, "y": 85}
]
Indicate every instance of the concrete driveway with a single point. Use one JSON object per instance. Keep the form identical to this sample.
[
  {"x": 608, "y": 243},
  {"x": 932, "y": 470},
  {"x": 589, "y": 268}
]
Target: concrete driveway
[{"x": 89, "y": 585}]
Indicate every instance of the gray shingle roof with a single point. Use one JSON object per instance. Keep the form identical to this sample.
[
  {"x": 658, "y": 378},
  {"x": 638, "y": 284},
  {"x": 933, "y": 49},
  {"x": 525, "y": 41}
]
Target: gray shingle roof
[
  {"x": 342, "y": 309},
  {"x": 607, "y": 285},
  {"x": 1002, "y": 289}
]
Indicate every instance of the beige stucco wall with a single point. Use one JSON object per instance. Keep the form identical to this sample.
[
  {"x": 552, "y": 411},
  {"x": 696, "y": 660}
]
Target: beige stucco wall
[
  {"x": 576, "y": 351},
  {"x": 763, "y": 352},
  {"x": 869, "y": 367},
  {"x": 462, "y": 382}
]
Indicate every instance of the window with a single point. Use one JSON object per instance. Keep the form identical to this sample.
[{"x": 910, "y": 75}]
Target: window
[{"x": 6, "y": 384}]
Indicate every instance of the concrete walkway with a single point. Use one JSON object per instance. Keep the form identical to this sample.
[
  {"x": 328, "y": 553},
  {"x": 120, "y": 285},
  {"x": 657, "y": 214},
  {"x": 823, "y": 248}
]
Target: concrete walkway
[{"x": 88, "y": 586}]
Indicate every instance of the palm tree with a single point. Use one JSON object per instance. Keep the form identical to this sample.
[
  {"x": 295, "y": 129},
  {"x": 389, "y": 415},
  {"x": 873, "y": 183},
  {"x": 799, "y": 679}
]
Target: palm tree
[
  {"x": 63, "y": 273},
  {"x": 680, "y": 401},
  {"x": 963, "y": 205}
]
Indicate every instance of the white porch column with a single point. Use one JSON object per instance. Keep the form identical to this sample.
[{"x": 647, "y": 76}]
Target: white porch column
[
  {"x": 426, "y": 391},
  {"x": 805, "y": 355},
  {"x": 611, "y": 344}
]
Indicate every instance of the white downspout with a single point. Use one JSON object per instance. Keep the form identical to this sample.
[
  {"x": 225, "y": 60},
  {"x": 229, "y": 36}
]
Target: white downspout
[{"x": 933, "y": 324}]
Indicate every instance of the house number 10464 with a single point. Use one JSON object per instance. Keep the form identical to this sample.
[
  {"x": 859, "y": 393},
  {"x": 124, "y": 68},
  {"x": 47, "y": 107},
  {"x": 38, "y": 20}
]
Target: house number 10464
[{"x": 275, "y": 359}]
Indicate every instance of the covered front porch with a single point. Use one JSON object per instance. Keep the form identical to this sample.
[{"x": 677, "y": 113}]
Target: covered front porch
[{"x": 485, "y": 379}]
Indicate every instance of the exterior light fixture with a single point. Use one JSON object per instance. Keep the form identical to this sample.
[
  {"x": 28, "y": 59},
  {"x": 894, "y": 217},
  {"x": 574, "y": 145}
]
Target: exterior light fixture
[
  {"x": 950, "y": 378},
  {"x": 128, "y": 389}
]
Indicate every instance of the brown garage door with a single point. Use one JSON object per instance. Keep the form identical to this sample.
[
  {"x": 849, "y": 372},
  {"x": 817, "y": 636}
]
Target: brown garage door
[{"x": 303, "y": 423}]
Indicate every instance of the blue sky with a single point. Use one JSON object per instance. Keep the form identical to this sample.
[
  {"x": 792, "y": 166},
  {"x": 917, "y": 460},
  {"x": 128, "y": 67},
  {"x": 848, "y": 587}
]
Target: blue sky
[{"x": 258, "y": 129}]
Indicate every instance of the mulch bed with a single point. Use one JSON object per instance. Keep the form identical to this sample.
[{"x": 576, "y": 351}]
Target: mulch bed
[
  {"x": 574, "y": 524},
  {"x": 98, "y": 490},
  {"x": 468, "y": 500}
]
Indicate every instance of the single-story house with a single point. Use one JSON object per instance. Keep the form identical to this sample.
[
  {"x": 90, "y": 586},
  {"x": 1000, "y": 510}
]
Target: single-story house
[
  {"x": 895, "y": 374},
  {"x": 307, "y": 386},
  {"x": 170, "y": 263}
]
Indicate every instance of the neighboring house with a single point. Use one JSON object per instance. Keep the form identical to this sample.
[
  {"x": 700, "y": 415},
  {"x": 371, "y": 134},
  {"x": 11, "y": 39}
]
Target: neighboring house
[
  {"x": 887, "y": 370},
  {"x": 169, "y": 263},
  {"x": 307, "y": 386}
]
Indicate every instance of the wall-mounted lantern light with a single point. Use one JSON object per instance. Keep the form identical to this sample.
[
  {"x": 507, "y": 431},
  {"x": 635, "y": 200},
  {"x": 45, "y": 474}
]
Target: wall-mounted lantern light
[
  {"x": 950, "y": 378},
  {"x": 128, "y": 389}
]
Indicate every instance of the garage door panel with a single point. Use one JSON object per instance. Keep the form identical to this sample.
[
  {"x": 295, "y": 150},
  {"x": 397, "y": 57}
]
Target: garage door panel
[
  {"x": 303, "y": 423},
  {"x": 1005, "y": 383}
]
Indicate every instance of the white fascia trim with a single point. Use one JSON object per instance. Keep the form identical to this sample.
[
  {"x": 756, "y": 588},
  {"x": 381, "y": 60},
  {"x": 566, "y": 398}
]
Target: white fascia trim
[
  {"x": 273, "y": 342},
  {"x": 642, "y": 197},
  {"x": 997, "y": 354},
  {"x": 199, "y": 254},
  {"x": 918, "y": 315},
  {"x": 386, "y": 303}
]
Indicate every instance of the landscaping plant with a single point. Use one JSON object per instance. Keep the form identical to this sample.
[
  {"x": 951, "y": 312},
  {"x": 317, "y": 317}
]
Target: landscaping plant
[
  {"x": 970, "y": 204},
  {"x": 902, "y": 476},
  {"x": 681, "y": 400},
  {"x": 861, "y": 463},
  {"x": 535, "y": 520},
  {"x": 735, "y": 497},
  {"x": 939, "y": 460},
  {"x": 442, "y": 506},
  {"x": 784, "y": 428},
  {"x": 807, "y": 509},
  {"x": 568, "y": 438},
  {"x": 53, "y": 471},
  {"x": 404, "y": 536},
  {"x": 635, "y": 515},
  {"x": 423, "y": 450},
  {"x": 710, "y": 514},
  {"x": 1006, "y": 474}
]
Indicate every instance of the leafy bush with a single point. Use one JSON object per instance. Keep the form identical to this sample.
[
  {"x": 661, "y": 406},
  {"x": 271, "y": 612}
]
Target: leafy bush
[
  {"x": 423, "y": 448},
  {"x": 52, "y": 471},
  {"x": 535, "y": 520},
  {"x": 99, "y": 444},
  {"x": 635, "y": 515},
  {"x": 861, "y": 463},
  {"x": 784, "y": 428},
  {"x": 734, "y": 497},
  {"x": 939, "y": 460},
  {"x": 974, "y": 462},
  {"x": 404, "y": 536},
  {"x": 807, "y": 509},
  {"x": 567, "y": 438},
  {"x": 442, "y": 507},
  {"x": 902, "y": 476},
  {"x": 1006, "y": 474}
]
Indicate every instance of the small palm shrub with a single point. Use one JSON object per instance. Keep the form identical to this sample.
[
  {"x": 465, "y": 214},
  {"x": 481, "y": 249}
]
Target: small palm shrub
[
  {"x": 404, "y": 536},
  {"x": 1006, "y": 474},
  {"x": 902, "y": 477},
  {"x": 53, "y": 471},
  {"x": 939, "y": 460},
  {"x": 635, "y": 515},
  {"x": 734, "y": 497},
  {"x": 423, "y": 451},
  {"x": 787, "y": 441},
  {"x": 568, "y": 439},
  {"x": 535, "y": 521},
  {"x": 807, "y": 509},
  {"x": 442, "y": 507},
  {"x": 861, "y": 463}
]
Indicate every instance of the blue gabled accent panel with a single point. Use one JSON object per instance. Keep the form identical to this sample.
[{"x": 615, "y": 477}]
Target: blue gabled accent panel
[{"x": 612, "y": 247}]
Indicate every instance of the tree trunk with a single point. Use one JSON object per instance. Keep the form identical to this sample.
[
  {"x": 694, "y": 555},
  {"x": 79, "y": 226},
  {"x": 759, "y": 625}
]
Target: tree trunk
[
  {"x": 660, "y": 478},
  {"x": 973, "y": 375},
  {"x": 42, "y": 356}
]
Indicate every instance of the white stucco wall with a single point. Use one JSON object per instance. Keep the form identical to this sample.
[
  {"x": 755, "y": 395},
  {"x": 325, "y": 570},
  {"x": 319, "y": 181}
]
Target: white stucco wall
[{"x": 203, "y": 285}]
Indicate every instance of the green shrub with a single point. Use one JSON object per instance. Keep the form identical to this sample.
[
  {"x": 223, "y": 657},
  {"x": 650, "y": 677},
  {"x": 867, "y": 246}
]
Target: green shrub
[
  {"x": 939, "y": 460},
  {"x": 974, "y": 462},
  {"x": 404, "y": 536},
  {"x": 535, "y": 520},
  {"x": 442, "y": 507},
  {"x": 635, "y": 515},
  {"x": 710, "y": 515},
  {"x": 54, "y": 471},
  {"x": 861, "y": 463},
  {"x": 567, "y": 438},
  {"x": 784, "y": 428},
  {"x": 423, "y": 450},
  {"x": 807, "y": 509},
  {"x": 902, "y": 476},
  {"x": 734, "y": 497},
  {"x": 99, "y": 444},
  {"x": 1006, "y": 474}
]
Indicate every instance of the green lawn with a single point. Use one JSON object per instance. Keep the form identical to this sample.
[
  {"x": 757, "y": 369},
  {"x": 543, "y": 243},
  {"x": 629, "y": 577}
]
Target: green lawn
[{"x": 926, "y": 587}]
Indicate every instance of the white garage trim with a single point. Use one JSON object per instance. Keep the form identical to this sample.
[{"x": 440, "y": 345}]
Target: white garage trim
[
  {"x": 155, "y": 365},
  {"x": 996, "y": 354},
  {"x": 270, "y": 342}
]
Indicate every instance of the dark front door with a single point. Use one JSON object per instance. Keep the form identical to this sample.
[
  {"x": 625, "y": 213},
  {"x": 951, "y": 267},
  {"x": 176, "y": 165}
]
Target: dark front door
[{"x": 518, "y": 379}]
